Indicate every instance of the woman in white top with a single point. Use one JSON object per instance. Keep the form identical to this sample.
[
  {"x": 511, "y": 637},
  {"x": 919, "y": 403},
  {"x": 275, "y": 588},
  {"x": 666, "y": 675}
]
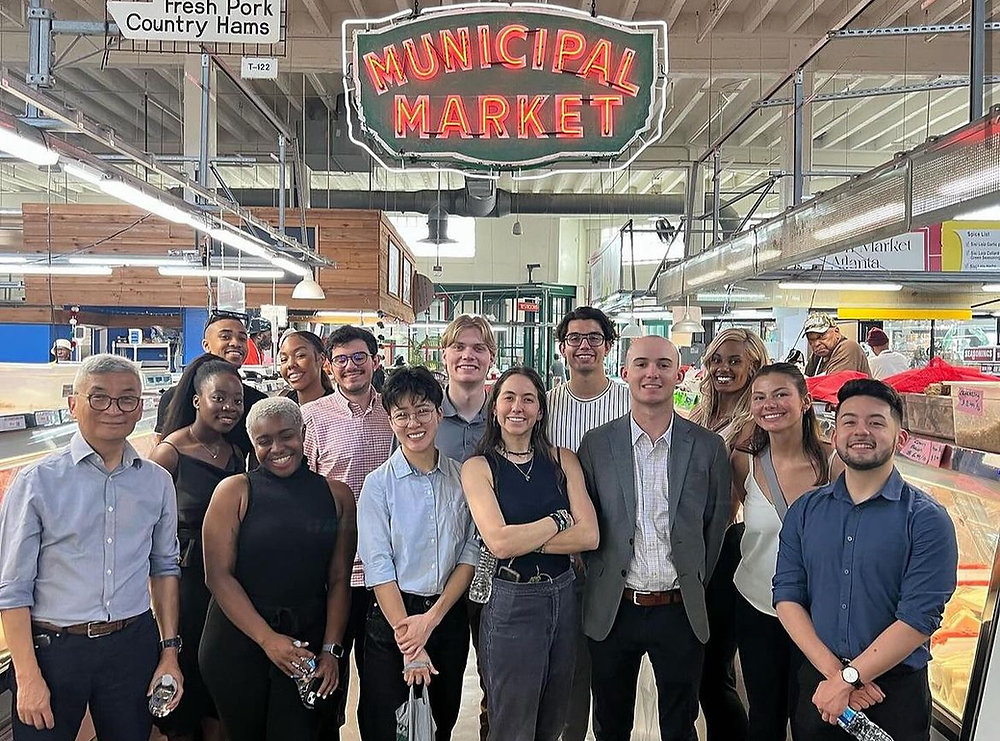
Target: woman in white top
[{"x": 783, "y": 460}]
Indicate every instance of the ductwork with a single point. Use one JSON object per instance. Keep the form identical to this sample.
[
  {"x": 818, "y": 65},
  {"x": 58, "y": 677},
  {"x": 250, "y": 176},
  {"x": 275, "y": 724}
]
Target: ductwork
[{"x": 471, "y": 202}]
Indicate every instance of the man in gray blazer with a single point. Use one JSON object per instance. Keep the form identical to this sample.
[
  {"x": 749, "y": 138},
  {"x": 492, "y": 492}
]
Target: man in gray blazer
[{"x": 661, "y": 488}]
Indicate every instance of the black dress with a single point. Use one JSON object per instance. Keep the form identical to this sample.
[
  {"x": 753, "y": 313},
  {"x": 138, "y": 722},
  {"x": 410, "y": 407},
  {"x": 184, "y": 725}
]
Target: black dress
[
  {"x": 195, "y": 481},
  {"x": 284, "y": 547}
]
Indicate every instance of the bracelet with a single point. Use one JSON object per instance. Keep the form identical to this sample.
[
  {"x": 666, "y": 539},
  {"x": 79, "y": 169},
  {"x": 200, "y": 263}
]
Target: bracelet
[{"x": 562, "y": 519}]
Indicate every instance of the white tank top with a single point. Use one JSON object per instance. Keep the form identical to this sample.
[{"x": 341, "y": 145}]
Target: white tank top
[{"x": 759, "y": 546}]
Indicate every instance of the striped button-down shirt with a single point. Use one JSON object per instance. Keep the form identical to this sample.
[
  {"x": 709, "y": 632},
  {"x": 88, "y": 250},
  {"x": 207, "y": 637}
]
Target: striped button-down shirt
[
  {"x": 80, "y": 542},
  {"x": 346, "y": 442},
  {"x": 652, "y": 567}
]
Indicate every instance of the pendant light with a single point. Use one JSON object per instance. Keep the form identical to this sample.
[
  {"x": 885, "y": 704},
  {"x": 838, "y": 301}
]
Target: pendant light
[{"x": 687, "y": 325}]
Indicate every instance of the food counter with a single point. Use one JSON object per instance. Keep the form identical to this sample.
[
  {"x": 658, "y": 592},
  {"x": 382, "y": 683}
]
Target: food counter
[{"x": 961, "y": 647}]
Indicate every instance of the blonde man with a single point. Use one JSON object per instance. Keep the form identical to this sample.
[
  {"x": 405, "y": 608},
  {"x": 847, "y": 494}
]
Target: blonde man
[{"x": 469, "y": 349}]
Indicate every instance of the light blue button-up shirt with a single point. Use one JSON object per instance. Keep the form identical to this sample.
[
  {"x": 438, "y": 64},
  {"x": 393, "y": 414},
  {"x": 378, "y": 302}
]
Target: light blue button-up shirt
[
  {"x": 78, "y": 543},
  {"x": 414, "y": 528}
]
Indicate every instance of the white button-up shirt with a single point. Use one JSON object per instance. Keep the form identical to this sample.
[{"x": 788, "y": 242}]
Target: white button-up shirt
[{"x": 652, "y": 567}]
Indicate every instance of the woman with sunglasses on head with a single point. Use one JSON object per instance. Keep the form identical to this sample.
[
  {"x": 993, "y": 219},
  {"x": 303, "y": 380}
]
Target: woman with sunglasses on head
[
  {"x": 730, "y": 361},
  {"x": 206, "y": 407},
  {"x": 302, "y": 362},
  {"x": 279, "y": 543},
  {"x": 530, "y": 503},
  {"x": 783, "y": 459}
]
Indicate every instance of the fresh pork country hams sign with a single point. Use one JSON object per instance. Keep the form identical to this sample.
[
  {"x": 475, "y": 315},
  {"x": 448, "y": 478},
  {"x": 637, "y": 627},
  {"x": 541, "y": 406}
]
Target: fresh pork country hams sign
[{"x": 487, "y": 88}]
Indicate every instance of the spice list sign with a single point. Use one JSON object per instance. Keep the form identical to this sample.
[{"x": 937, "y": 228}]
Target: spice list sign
[
  {"x": 495, "y": 87},
  {"x": 232, "y": 21}
]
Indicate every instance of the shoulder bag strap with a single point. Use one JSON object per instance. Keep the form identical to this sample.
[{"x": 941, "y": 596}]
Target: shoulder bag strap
[{"x": 777, "y": 495}]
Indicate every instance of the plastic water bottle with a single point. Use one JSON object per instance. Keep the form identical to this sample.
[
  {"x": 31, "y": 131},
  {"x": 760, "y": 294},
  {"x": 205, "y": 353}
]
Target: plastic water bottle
[
  {"x": 482, "y": 581},
  {"x": 163, "y": 693},
  {"x": 861, "y": 727}
]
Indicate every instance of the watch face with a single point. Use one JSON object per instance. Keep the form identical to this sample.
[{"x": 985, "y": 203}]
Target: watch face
[{"x": 850, "y": 674}]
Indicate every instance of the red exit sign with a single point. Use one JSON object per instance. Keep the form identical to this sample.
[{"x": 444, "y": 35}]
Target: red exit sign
[
  {"x": 494, "y": 87},
  {"x": 528, "y": 306}
]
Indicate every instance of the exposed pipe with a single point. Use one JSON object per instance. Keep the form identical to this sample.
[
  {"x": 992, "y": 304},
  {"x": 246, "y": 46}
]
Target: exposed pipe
[{"x": 458, "y": 203}]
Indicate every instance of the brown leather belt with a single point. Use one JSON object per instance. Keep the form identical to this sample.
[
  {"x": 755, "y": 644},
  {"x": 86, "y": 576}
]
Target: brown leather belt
[
  {"x": 653, "y": 599},
  {"x": 95, "y": 629}
]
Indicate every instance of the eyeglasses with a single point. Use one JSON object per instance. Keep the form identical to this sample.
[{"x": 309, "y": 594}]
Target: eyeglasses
[
  {"x": 423, "y": 416},
  {"x": 575, "y": 339},
  {"x": 358, "y": 358},
  {"x": 102, "y": 402}
]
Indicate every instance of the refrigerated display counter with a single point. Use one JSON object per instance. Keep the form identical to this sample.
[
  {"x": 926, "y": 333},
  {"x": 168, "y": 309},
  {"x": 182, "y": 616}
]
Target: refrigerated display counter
[{"x": 962, "y": 647}]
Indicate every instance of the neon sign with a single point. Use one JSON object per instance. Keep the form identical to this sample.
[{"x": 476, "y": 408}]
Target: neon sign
[{"x": 491, "y": 88}]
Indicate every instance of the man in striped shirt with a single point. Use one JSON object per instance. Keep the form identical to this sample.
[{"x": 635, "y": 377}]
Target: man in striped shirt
[
  {"x": 347, "y": 437},
  {"x": 589, "y": 400}
]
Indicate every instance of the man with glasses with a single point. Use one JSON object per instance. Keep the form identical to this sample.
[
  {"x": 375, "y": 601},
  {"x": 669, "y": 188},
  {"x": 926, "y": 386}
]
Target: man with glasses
[
  {"x": 225, "y": 336},
  {"x": 348, "y": 436},
  {"x": 89, "y": 544},
  {"x": 588, "y": 400}
]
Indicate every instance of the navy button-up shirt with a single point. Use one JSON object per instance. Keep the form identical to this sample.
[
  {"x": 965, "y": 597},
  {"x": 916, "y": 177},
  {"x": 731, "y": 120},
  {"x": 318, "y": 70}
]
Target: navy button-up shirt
[{"x": 857, "y": 568}]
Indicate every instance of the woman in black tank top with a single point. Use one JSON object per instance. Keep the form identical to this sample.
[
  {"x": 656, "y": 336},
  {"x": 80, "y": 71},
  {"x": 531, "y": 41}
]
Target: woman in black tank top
[
  {"x": 531, "y": 506},
  {"x": 279, "y": 545},
  {"x": 206, "y": 407}
]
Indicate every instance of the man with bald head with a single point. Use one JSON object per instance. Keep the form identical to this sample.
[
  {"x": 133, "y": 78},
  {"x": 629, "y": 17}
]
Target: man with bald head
[{"x": 660, "y": 485}]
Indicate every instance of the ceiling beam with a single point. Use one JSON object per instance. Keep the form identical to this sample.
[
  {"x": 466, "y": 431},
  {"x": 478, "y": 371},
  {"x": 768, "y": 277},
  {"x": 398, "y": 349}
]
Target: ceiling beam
[
  {"x": 315, "y": 10},
  {"x": 693, "y": 101},
  {"x": 766, "y": 6},
  {"x": 921, "y": 111},
  {"x": 808, "y": 10},
  {"x": 719, "y": 9},
  {"x": 673, "y": 9}
]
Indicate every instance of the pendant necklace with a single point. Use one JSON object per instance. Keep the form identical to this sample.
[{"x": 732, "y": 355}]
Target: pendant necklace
[{"x": 208, "y": 450}]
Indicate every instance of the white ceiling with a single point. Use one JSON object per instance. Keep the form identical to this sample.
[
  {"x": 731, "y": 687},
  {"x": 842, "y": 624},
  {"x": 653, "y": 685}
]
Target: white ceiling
[{"x": 723, "y": 55}]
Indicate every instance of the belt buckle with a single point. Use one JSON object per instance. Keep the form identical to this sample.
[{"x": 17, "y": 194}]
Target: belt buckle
[
  {"x": 636, "y": 595},
  {"x": 100, "y": 631}
]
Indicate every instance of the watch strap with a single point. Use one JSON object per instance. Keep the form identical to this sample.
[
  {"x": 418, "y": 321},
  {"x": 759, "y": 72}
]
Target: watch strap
[
  {"x": 334, "y": 649},
  {"x": 174, "y": 642}
]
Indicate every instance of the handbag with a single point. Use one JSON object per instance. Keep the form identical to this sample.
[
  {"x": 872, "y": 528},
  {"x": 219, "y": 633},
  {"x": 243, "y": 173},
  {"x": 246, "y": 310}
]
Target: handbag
[{"x": 414, "y": 721}]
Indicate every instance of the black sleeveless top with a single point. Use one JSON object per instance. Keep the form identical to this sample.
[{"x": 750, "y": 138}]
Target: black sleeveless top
[
  {"x": 526, "y": 500},
  {"x": 284, "y": 548},
  {"x": 195, "y": 481}
]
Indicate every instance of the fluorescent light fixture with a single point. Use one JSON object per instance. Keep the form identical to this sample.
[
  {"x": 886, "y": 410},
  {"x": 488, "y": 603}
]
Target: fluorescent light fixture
[
  {"x": 708, "y": 277},
  {"x": 730, "y": 297},
  {"x": 751, "y": 314},
  {"x": 23, "y": 148},
  {"x": 81, "y": 171},
  {"x": 748, "y": 261},
  {"x": 126, "y": 261},
  {"x": 804, "y": 285},
  {"x": 292, "y": 266},
  {"x": 236, "y": 273},
  {"x": 140, "y": 198},
  {"x": 10, "y": 259},
  {"x": 46, "y": 269},
  {"x": 861, "y": 221},
  {"x": 240, "y": 241},
  {"x": 991, "y": 287},
  {"x": 990, "y": 213},
  {"x": 659, "y": 314}
]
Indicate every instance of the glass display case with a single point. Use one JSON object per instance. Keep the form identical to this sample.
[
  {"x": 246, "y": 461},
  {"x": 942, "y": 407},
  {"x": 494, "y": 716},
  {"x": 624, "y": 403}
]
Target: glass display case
[{"x": 957, "y": 671}]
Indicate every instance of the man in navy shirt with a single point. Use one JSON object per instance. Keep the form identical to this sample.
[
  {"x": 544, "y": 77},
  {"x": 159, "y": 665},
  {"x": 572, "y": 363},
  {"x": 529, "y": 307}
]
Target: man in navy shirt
[{"x": 865, "y": 567}]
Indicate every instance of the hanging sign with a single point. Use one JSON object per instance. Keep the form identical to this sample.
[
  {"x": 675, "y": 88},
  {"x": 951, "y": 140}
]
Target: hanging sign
[
  {"x": 970, "y": 246},
  {"x": 491, "y": 88},
  {"x": 222, "y": 21},
  {"x": 907, "y": 252}
]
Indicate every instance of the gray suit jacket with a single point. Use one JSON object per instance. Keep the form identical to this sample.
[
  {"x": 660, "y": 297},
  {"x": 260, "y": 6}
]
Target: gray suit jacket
[{"x": 699, "y": 502}]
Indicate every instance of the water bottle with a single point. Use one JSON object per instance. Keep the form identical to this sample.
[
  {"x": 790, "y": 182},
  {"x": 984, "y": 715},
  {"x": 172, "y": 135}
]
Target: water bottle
[
  {"x": 308, "y": 684},
  {"x": 861, "y": 727},
  {"x": 163, "y": 693},
  {"x": 482, "y": 581}
]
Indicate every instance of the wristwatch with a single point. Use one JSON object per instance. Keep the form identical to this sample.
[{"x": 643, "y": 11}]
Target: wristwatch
[
  {"x": 174, "y": 642},
  {"x": 850, "y": 675},
  {"x": 334, "y": 649}
]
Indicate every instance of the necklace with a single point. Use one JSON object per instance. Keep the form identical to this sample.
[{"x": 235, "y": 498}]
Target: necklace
[
  {"x": 214, "y": 454},
  {"x": 529, "y": 451},
  {"x": 517, "y": 467}
]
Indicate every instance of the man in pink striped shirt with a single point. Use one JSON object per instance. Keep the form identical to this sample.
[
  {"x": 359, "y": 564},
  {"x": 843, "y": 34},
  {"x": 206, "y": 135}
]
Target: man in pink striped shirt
[{"x": 347, "y": 437}]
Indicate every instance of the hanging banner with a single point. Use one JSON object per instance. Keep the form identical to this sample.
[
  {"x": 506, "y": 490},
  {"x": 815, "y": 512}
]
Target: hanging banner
[
  {"x": 970, "y": 245},
  {"x": 216, "y": 21},
  {"x": 907, "y": 252},
  {"x": 487, "y": 88}
]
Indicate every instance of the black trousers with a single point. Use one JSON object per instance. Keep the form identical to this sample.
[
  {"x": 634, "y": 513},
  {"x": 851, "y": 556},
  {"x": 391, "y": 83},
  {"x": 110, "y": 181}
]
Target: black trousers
[
  {"x": 905, "y": 713},
  {"x": 335, "y": 715},
  {"x": 725, "y": 716},
  {"x": 256, "y": 701},
  {"x": 382, "y": 687},
  {"x": 578, "y": 715},
  {"x": 766, "y": 658},
  {"x": 110, "y": 674},
  {"x": 676, "y": 655},
  {"x": 475, "y": 612}
]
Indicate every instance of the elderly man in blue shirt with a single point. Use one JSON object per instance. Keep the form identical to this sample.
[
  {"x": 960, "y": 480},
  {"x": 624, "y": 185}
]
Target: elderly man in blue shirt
[
  {"x": 89, "y": 540},
  {"x": 865, "y": 567},
  {"x": 417, "y": 542}
]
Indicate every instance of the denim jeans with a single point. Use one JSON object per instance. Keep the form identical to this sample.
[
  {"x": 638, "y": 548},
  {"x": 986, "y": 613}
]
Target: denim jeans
[{"x": 527, "y": 652}]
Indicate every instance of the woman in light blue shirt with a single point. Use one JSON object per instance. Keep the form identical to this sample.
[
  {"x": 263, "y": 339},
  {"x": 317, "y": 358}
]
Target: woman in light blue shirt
[{"x": 417, "y": 542}]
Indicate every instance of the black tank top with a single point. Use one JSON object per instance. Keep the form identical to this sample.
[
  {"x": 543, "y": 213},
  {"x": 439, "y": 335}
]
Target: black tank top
[
  {"x": 195, "y": 481},
  {"x": 285, "y": 545},
  {"x": 526, "y": 500}
]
